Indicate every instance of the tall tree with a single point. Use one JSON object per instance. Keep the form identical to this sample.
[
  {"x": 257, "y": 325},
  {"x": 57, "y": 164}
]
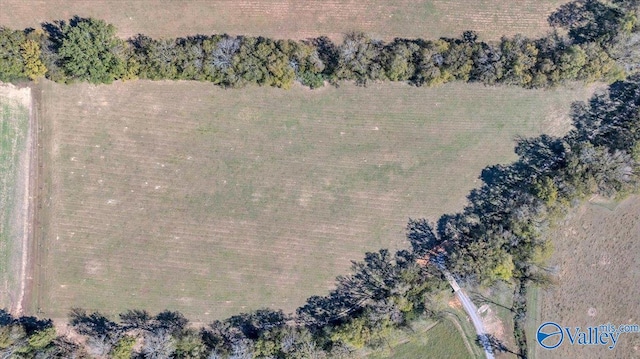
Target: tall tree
[
  {"x": 11, "y": 63},
  {"x": 359, "y": 59},
  {"x": 90, "y": 51},
  {"x": 34, "y": 68}
]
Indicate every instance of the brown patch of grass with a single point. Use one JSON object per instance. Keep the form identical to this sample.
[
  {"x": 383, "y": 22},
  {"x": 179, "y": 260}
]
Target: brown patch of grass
[
  {"x": 596, "y": 254},
  {"x": 492, "y": 323},
  {"x": 295, "y": 19},
  {"x": 455, "y": 303}
]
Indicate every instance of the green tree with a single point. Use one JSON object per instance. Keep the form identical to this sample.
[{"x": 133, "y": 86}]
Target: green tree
[
  {"x": 398, "y": 59},
  {"x": 592, "y": 21},
  {"x": 458, "y": 60},
  {"x": 571, "y": 62},
  {"x": 11, "y": 63},
  {"x": 123, "y": 348},
  {"x": 430, "y": 67},
  {"x": 305, "y": 61},
  {"x": 599, "y": 65},
  {"x": 359, "y": 59},
  {"x": 504, "y": 270},
  {"x": 189, "y": 345},
  {"x": 487, "y": 67},
  {"x": 546, "y": 190},
  {"x": 356, "y": 333},
  {"x": 42, "y": 338},
  {"x": 519, "y": 58},
  {"x": 91, "y": 52},
  {"x": 261, "y": 61}
]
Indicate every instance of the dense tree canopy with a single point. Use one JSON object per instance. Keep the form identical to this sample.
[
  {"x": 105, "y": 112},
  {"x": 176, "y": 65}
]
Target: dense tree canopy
[
  {"x": 90, "y": 51},
  {"x": 11, "y": 60}
]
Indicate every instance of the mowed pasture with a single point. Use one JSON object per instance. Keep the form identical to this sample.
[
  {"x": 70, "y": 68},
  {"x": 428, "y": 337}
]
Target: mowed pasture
[
  {"x": 384, "y": 19},
  {"x": 14, "y": 167},
  {"x": 186, "y": 196},
  {"x": 598, "y": 271}
]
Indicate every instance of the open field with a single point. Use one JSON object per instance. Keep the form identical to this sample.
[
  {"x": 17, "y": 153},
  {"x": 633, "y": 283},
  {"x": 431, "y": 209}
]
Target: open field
[
  {"x": 295, "y": 19},
  {"x": 597, "y": 256},
  {"x": 14, "y": 192},
  {"x": 185, "y": 196}
]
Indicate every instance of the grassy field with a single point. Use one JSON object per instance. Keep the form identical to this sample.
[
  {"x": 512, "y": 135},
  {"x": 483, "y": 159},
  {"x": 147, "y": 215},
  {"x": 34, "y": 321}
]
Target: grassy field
[
  {"x": 295, "y": 19},
  {"x": 596, "y": 254},
  {"x": 429, "y": 345},
  {"x": 209, "y": 201},
  {"x": 14, "y": 124}
]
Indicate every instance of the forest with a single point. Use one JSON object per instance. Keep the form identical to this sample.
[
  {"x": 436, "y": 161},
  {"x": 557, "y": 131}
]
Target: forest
[{"x": 498, "y": 236}]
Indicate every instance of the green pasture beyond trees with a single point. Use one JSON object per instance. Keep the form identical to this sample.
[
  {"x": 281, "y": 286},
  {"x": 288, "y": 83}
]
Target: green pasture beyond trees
[{"x": 497, "y": 236}]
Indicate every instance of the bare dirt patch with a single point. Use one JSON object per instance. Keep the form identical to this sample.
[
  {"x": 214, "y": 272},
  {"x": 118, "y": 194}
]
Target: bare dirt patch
[
  {"x": 455, "y": 303},
  {"x": 492, "y": 323},
  {"x": 13, "y": 93}
]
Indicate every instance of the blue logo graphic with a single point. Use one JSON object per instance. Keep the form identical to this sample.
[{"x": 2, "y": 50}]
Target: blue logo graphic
[{"x": 550, "y": 335}]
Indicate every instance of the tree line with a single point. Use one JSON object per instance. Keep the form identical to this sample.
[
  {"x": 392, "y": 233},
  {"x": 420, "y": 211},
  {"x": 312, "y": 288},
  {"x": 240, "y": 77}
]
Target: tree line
[{"x": 590, "y": 42}]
